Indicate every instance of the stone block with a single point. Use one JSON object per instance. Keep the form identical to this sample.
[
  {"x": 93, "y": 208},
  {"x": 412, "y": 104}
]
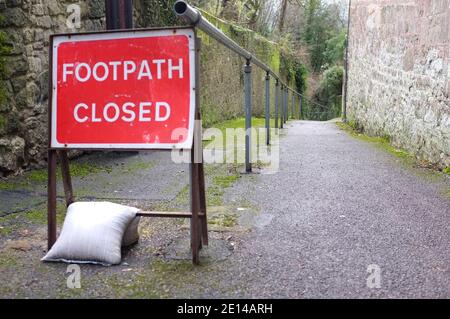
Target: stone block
[{"x": 12, "y": 153}]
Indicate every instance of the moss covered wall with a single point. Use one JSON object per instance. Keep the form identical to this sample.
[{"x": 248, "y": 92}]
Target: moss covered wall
[
  {"x": 222, "y": 95},
  {"x": 222, "y": 87},
  {"x": 5, "y": 50}
]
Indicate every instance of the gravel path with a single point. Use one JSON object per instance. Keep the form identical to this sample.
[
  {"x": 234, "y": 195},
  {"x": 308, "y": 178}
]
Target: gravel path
[{"x": 336, "y": 206}]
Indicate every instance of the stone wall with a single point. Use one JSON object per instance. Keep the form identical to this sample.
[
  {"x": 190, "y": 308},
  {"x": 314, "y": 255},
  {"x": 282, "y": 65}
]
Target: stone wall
[
  {"x": 399, "y": 74},
  {"x": 29, "y": 23}
]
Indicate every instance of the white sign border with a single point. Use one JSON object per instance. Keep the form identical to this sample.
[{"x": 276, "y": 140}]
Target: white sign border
[{"x": 58, "y": 39}]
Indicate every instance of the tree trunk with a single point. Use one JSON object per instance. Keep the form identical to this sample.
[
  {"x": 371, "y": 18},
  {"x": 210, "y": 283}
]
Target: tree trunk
[{"x": 282, "y": 15}]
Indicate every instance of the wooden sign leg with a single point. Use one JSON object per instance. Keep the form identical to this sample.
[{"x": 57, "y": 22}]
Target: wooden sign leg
[
  {"x": 51, "y": 199},
  {"x": 67, "y": 180}
]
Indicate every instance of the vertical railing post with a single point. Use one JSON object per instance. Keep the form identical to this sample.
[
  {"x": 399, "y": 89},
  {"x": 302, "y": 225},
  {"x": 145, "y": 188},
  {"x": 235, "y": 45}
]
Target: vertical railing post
[
  {"x": 293, "y": 106},
  {"x": 267, "y": 108},
  {"x": 281, "y": 106},
  {"x": 300, "y": 107},
  {"x": 286, "y": 104},
  {"x": 277, "y": 93},
  {"x": 248, "y": 114}
]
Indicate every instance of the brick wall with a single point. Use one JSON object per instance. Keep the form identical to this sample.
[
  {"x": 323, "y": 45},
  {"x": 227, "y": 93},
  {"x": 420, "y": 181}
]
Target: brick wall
[{"x": 399, "y": 74}]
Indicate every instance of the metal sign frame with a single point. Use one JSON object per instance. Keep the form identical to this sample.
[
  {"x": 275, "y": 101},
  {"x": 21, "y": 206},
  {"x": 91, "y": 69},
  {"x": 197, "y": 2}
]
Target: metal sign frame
[{"x": 197, "y": 213}]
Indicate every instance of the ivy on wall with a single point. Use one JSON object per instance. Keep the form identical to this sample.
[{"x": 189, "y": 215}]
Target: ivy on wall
[
  {"x": 158, "y": 13},
  {"x": 4, "y": 50}
]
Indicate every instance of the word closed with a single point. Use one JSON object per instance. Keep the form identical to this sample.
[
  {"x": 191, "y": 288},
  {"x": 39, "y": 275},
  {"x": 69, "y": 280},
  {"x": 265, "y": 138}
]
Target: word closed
[{"x": 130, "y": 89}]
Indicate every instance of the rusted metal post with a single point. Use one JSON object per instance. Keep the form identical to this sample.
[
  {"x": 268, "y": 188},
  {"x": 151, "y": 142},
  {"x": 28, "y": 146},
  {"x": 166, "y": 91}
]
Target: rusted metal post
[
  {"x": 67, "y": 180},
  {"x": 277, "y": 94},
  {"x": 199, "y": 143},
  {"x": 119, "y": 14},
  {"x": 248, "y": 114},
  {"x": 267, "y": 108},
  {"x": 195, "y": 172},
  {"x": 51, "y": 198},
  {"x": 195, "y": 207}
]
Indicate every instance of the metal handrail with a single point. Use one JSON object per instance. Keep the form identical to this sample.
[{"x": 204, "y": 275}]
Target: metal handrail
[{"x": 194, "y": 16}]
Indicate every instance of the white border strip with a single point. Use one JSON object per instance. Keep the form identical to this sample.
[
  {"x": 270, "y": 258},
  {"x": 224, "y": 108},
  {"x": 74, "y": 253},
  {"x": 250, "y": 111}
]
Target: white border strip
[{"x": 58, "y": 39}]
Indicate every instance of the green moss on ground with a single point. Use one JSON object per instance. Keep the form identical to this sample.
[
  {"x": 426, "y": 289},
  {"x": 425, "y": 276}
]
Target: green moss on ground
[
  {"x": 9, "y": 185},
  {"x": 140, "y": 286},
  {"x": 432, "y": 174},
  {"x": 446, "y": 170},
  {"x": 382, "y": 142},
  {"x": 37, "y": 216},
  {"x": 180, "y": 201},
  {"x": 40, "y": 176},
  {"x": 447, "y": 192},
  {"x": 239, "y": 122},
  {"x": 8, "y": 224},
  {"x": 153, "y": 282},
  {"x": 223, "y": 219},
  {"x": 138, "y": 166},
  {"x": 8, "y": 260},
  {"x": 76, "y": 170},
  {"x": 215, "y": 191}
]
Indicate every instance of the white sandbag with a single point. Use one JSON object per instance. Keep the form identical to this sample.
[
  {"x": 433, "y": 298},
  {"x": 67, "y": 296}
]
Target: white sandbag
[
  {"x": 92, "y": 233},
  {"x": 131, "y": 235}
]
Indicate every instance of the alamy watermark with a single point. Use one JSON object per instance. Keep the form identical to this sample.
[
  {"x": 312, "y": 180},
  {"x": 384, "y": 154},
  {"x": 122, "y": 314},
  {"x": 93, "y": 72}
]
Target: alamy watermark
[
  {"x": 73, "y": 20},
  {"x": 74, "y": 278},
  {"x": 228, "y": 146},
  {"x": 374, "y": 278}
]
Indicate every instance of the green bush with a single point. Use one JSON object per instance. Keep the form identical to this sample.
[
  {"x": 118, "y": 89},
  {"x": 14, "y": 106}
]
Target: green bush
[
  {"x": 334, "y": 52},
  {"x": 300, "y": 76},
  {"x": 295, "y": 72},
  {"x": 329, "y": 95}
]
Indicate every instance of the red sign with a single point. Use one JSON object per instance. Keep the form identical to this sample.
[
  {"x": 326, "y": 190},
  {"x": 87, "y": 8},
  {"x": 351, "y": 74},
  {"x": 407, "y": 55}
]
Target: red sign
[{"x": 133, "y": 89}]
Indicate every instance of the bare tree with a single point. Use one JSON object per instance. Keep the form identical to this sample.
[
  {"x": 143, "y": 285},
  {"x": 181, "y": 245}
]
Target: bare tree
[{"x": 282, "y": 15}]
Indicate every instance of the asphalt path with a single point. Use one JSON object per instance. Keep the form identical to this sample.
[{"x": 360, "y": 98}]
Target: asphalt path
[{"x": 339, "y": 212}]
